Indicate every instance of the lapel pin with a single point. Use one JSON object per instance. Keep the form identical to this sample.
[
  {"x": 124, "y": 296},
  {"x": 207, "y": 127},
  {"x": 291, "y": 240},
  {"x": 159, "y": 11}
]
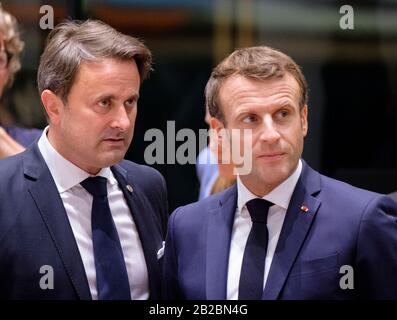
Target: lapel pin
[
  {"x": 304, "y": 209},
  {"x": 129, "y": 188}
]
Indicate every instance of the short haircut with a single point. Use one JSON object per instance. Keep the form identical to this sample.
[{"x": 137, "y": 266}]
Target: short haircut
[
  {"x": 260, "y": 63},
  {"x": 72, "y": 42}
]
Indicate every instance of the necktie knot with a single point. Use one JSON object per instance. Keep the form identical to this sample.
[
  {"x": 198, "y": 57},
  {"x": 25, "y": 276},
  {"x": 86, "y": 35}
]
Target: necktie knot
[
  {"x": 97, "y": 186},
  {"x": 258, "y": 209}
]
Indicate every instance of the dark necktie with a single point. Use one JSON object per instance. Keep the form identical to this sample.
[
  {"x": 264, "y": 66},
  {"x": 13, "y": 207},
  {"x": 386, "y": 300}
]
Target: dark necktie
[
  {"x": 111, "y": 273},
  {"x": 253, "y": 266}
]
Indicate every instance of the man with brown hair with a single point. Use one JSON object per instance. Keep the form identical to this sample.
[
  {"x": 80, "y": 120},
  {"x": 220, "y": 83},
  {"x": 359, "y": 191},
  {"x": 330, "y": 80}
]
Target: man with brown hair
[
  {"x": 76, "y": 220},
  {"x": 283, "y": 231}
]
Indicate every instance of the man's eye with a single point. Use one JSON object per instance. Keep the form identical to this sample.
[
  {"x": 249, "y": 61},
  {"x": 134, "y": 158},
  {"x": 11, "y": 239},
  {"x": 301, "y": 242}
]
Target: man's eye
[
  {"x": 104, "y": 103},
  {"x": 283, "y": 114},
  {"x": 130, "y": 103},
  {"x": 249, "y": 119}
]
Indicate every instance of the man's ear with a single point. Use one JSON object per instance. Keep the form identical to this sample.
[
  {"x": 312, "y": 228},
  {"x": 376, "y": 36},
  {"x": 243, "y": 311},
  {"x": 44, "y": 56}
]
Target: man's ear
[
  {"x": 53, "y": 105},
  {"x": 304, "y": 122},
  {"x": 221, "y": 132},
  {"x": 216, "y": 124},
  {"x": 221, "y": 147}
]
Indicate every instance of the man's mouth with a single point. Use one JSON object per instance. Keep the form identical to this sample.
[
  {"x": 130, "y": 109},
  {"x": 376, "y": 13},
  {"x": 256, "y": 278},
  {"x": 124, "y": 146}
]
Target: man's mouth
[
  {"x": 114, "y": 140},
  {"x": 272, "y": 155}
]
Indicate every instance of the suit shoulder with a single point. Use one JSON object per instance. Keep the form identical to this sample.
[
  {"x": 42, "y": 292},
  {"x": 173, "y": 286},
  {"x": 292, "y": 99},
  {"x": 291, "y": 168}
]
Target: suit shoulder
[
  {"x": 10, "y": 166},
  {"x": 204, "y": 206},
  {"x": 350, "y": 198},
  {"x": 346, "y": 190},
  {"x": 141, "y": 172},
  {"x": 10, "y": 162}
]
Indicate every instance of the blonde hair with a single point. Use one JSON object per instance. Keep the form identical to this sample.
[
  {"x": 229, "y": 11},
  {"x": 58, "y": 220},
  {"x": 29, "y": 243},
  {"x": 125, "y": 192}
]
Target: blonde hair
[{"x": 12, "y": 42}]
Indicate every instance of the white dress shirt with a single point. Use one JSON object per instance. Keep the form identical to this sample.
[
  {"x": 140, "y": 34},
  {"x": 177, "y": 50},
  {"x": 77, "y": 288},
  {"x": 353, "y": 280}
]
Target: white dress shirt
[
  {"x": 78, "y": 202},
  {"x": 280, "y": 196}
]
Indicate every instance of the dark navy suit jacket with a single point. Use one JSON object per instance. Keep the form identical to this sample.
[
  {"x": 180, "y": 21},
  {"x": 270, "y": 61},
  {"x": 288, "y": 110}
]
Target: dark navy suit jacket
[
  {"x": 343, "y": 226},
  {"x": 35, "y": 230}
]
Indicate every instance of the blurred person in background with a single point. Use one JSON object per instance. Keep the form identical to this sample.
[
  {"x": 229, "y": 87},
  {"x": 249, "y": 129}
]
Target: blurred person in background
[
  {"x": 206, "y": 166},
  {"x": 213, "y": 175},
  {"x": 13, "y": 139}
]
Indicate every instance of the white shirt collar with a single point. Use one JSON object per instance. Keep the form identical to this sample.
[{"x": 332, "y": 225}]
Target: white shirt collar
[
  {"x": 281, "y": 195},
  {"x": 66, "y": 174}
]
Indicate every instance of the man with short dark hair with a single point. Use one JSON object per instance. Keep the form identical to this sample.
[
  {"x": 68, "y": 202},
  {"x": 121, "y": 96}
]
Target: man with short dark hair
[
  {"x": 284, "y": 231},
  {"x": 76, "y": 220}
]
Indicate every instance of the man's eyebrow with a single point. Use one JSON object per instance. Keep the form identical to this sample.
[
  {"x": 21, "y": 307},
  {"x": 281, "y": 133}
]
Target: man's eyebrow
[
  {"x": 105, "y": 96},
  {"x": 134, "y": 95},
  {"x": 285, "y": 104}
]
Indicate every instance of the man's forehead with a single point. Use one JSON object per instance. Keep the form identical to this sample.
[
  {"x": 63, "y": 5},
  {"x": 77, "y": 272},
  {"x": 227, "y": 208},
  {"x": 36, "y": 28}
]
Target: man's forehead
[
  {"x": 105, "y": 71},
  {"x": 103, "y": 65},
  {"x": 240, "y": 78},
  {"x": 106, "y": 76},
  {"x": 239, "y": 84}
]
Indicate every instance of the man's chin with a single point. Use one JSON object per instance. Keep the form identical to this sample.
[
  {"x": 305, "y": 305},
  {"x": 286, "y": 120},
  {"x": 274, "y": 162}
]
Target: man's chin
[
  {"x": 271, "y": 175},
  {"x": 112, "y": 158}
]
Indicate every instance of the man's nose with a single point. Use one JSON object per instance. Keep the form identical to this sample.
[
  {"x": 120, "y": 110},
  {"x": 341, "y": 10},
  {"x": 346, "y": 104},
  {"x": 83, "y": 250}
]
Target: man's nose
[
  {"x": 269, "y": 132},
  {"x": 120, "y": 119}
]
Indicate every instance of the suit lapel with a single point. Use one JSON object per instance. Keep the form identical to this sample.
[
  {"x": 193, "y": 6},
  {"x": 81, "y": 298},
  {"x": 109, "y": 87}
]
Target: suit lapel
[
  {"x": 220, "y": 223},
  {"x": 42, "y": 188},
  {"x": 149, "y": 236},
  {"x": 294, "y": 231}
]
